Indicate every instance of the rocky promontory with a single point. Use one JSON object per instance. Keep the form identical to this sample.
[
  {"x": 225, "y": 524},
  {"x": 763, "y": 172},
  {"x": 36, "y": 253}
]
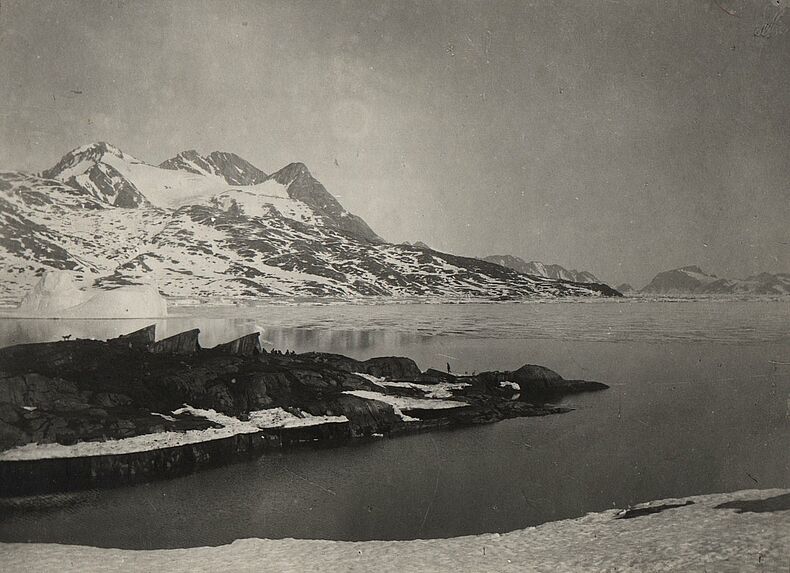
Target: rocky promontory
[{"x": 88, "y": 413}]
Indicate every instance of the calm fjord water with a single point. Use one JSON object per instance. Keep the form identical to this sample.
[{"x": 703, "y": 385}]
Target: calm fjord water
[{"x": 698, "y": 404}]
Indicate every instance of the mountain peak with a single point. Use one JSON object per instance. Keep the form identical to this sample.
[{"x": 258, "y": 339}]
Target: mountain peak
[
  {"x": 229, "y": 166},
  {"x": 97, "y": 148},
  {"x": 302, "y": 186},
  {"x": 291, "y": 173},
  {"x": 79, "y": 160},
  {"x": 540, "y": 269},
  {"x": 693, "y": 269}
]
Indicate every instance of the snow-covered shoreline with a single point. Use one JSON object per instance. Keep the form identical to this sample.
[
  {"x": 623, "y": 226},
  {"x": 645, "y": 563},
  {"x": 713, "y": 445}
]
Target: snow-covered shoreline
[
  {"x": 259, "y": 420},
  {"x": 696, "y": 537}
]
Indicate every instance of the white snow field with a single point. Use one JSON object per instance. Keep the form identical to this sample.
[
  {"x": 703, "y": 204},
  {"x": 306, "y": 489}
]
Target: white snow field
[{"x": 693, "y": 538}]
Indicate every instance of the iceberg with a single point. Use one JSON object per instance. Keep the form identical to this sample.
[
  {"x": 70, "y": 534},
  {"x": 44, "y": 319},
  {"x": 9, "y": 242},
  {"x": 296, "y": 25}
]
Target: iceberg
[
  {"x": 56, "y": 296},
  {"x": 52, "y": 294}
]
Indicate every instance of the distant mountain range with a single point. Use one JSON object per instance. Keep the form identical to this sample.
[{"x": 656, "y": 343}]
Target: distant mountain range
[
  {"x": 689, "y": 280},
  {"x": 216, "y": 226},
  {"x": 538, "y": 269},
  {"x": 693, "y": 280}
]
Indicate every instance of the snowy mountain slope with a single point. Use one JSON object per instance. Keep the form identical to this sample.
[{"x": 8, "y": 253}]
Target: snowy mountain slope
[
  {"x": 283, "y": 236},
  {"x": 46, "y": 224},
  {"x": 164, "y": 188},
  {"x": 693, "y": 280},
  {"x": 539, "y": 269},
  {"x": 204, "y": 250},
  {"x": 121, "y": 180}
]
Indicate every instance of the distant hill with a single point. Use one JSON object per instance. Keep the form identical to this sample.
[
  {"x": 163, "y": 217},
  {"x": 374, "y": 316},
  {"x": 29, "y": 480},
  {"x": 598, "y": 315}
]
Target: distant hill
[
  {"x": 693, "y": 280},
  {"x": 538, "y": 269},
  {"x": 624, "y": 288}
]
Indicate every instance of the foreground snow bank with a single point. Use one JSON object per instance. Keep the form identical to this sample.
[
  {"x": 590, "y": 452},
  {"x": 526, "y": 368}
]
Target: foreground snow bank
[{"x": 696, "y": 537}]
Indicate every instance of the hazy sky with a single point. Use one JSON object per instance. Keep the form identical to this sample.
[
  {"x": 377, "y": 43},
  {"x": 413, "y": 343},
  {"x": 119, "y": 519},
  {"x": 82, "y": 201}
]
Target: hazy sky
[{"x": 623, "y": 137}]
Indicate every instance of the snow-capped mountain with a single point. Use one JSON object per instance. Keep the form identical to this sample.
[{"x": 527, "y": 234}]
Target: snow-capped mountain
[
  {"x": 538, "y": 269},
  {"x": 693, "y": 280},
  {"x": 216, "y": 226}
]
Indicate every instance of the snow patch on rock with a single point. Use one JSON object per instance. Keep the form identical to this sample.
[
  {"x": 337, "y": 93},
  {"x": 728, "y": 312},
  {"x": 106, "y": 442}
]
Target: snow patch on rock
[{"x": 406, "y": 402}]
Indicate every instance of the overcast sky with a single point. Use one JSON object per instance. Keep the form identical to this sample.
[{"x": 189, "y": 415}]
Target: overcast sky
[{"x": 624, "y": 138}]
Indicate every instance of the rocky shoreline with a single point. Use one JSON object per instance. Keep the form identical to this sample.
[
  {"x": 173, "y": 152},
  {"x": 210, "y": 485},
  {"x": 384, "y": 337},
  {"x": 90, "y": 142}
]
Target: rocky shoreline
[{"x": 82, "y": 414}]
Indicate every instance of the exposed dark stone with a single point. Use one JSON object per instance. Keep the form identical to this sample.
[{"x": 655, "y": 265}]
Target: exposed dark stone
[
  {"x": 771, "y": 504},
  {"x": 648, "y": 510},
  {"x": 394, "y": 367},
  {"x": 182, "y": 343},
  {"x": 140, "y": 338},
  {"x": 531, "y": 376},
  {"x": 247, "y": 345}
]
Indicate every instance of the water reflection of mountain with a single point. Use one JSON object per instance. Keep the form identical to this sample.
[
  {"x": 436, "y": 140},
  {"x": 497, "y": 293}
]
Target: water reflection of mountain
[{"x": 343, "y": 341}]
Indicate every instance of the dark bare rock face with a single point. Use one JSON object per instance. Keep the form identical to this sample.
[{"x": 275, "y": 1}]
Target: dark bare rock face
[
  {"x": 391, "y": 367},
  {"x": 247, "y": 345},
  {"x": 140, "y": 338},
  {"x": 181, "y": 343}
]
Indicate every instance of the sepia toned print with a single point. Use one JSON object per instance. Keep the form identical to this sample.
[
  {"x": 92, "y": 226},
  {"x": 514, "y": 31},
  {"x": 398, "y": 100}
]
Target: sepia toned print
[{"x": 394, "y": 286}]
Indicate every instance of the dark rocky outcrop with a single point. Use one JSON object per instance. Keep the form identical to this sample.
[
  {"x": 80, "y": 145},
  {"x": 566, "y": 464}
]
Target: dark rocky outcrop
[
  {"x": 140, "y": 338},
  {"x": 650, "y": 509},
  {"x": 775, "y": 503},
  {"x": 182, "y": 343},
  {"x": 87, "y": 390},
  {"x": 247, "y": 345},
  {"x": 393, "y": 367}
]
